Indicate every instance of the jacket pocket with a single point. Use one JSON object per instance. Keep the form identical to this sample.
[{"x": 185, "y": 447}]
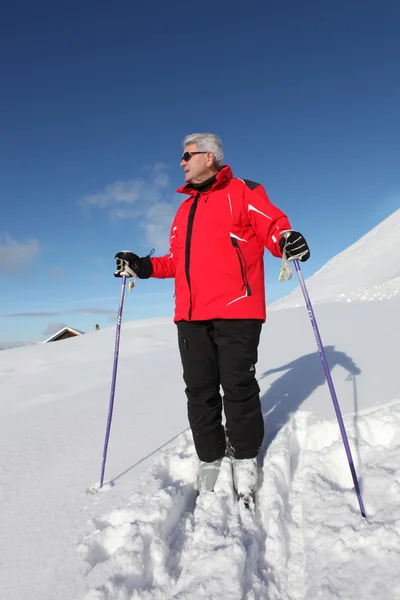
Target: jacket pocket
[
  {"x": 242, "y": 264},
  {"x": 183, "y": 344}
]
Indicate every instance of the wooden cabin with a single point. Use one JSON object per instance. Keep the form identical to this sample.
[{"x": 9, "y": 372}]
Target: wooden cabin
[{"x": 63, "y": 334}]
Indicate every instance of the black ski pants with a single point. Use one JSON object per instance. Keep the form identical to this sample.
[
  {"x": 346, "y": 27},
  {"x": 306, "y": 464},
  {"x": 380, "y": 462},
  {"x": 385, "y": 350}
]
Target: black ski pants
[{"x": 222, "y": 352}]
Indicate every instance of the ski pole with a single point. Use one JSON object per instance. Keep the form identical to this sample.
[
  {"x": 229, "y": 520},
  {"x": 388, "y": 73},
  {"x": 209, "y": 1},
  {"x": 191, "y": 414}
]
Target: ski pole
[
  {"x": 113, "y": 380},
  {"x": 330, "y": 384}
]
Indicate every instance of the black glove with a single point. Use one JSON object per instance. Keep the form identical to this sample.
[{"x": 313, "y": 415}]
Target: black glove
[
  {"x": 295, "y": 246},
  {"x": 140, "y": 266}
]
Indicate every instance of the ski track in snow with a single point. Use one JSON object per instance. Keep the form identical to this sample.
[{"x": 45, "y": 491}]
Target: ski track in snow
[
  {"x": 305, "y": 541},
  {"x": 167, "y": 545},
  {"x": 317, "y": 544}
]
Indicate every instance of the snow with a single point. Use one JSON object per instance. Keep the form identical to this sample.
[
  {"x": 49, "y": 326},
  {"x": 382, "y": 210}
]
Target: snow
[
  {"x": 144, "y": 536},
  {"x": 367, "y": 270}
]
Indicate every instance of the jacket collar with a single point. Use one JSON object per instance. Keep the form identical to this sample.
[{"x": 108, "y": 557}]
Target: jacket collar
[{"x": 223, "y": 175}]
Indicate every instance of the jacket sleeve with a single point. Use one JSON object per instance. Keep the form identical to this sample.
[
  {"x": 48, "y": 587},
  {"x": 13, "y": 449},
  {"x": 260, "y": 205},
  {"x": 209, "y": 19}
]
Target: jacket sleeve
[
  {"x": 266, "y": 219},
  {"x": 165, "y": 266}
]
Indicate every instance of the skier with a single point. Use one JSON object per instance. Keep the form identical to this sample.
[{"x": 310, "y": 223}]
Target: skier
[{"x": 216, "y": 257}]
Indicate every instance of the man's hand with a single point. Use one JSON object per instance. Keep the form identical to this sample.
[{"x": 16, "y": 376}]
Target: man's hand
[
  {"x": 295, "y": 246},
  {"x": 139, "y": 266}
]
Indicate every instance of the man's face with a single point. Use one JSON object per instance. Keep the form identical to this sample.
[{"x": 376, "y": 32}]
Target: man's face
[{"x": 197, "y": 167}]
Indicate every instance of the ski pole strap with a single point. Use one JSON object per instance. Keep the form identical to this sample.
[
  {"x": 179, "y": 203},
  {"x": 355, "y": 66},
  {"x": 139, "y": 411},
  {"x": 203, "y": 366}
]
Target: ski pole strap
[
  {"x": 123, "y": 269},
  {"x": 286, "y": 270},
  {"x": 131, "y": 283}
]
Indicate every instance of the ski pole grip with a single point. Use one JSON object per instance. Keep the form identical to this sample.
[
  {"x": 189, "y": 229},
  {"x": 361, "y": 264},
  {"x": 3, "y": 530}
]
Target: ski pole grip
[{"x": 123, "y": 268}]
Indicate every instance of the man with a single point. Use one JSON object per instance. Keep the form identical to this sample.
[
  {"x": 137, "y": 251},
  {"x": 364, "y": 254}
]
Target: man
[{"x": 217, "y": 244}]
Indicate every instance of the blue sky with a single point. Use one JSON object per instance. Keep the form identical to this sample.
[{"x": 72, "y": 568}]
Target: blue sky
[{"x": 97, "y": 97}]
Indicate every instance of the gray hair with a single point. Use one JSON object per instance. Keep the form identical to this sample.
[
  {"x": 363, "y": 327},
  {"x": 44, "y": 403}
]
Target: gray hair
[{"x": 207, "y": 142}]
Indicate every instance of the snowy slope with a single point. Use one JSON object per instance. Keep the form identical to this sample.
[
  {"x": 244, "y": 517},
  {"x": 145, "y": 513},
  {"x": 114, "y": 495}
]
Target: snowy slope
[
  {"x": 366, "y": 270},
  {"x": 139, "y": 537},
  {"x": 143, "y": 536}
]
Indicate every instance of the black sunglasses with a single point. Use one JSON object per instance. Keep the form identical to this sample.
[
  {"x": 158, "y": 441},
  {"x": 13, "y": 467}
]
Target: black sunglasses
[{"x": 186, "y": 156}]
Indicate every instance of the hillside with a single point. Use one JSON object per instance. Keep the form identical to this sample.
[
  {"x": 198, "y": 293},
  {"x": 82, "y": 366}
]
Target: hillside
[{"x": 369, "y": 269}]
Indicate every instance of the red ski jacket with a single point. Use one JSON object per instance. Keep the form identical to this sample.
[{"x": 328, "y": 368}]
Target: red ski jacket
[{"x": 216, "y": 250}]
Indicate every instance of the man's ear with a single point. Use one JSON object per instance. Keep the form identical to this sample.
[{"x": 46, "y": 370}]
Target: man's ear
[{"x": 210, "y": 159}]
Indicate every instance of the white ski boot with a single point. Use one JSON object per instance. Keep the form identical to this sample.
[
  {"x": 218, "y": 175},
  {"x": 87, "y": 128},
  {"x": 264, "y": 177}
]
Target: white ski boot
[
  {"x": 245, "y": 478},
  {"x": 207, "y": 476}
]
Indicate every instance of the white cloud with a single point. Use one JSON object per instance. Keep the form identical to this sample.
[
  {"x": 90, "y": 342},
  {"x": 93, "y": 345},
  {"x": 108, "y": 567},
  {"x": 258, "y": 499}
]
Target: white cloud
[
  {"x": 15, "y": 255},
  {"x": 124, "y": 192},
  {"x": 149, "y": 189},
  {"x": 125, "y": 213},
  {"x": 157, "y": 223},
  {"x": 148, "y": 199}
]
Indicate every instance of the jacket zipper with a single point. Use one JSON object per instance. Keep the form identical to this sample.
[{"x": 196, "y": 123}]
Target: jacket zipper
[
  {"x": 187, "y": 248},
  {"x": 242, "y": 263}
]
